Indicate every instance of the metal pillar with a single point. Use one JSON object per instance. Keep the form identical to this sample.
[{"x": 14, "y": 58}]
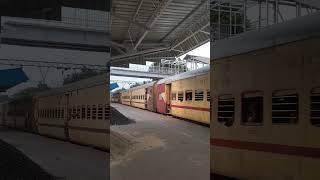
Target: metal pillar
[
  {"x": 260, "y": 8},
  {"x": 267, "y": 4},
  {"x": 244, "y": 15}
]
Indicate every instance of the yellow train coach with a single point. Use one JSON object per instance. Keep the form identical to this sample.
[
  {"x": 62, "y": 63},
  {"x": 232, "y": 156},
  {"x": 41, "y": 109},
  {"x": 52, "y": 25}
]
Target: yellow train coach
[
  {"x": 190, "y": 95},
  {"x": 184, "y": 95},
  {"x": 266, "y": 103},
  {"x": 78, "y": 112}
]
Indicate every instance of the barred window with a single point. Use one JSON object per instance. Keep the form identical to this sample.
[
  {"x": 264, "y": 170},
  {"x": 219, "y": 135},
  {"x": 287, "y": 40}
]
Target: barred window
[
  {"x": 51, "y": 113},
  {"x": 88, "y": 112},
  {"x": 74, "y": 112},
  {"x": 315, "y": 107},
  {"x": 94, "y": 112},
  {"x": 83, "y": 112},
  {"x": 69, "y": 113},
  {"x": 100, "y": 111},
  {"x": 78, "y": 112},
  {"x": 174, "y": 96},
  {"x": 226, "y": 109},
  {"x": 180, "y": 96},
  {"x": 58, "y": 113},
  {"x": 106, "y": 112},
  {"x": 62, "y": 113},
  {"x": 198, "y": 95},
  {"x": 252, "y": 108},
  {"x": 285, "y": 107},
  {"x": 188, "y": 95},
  {"x": 208, "y": 96}
]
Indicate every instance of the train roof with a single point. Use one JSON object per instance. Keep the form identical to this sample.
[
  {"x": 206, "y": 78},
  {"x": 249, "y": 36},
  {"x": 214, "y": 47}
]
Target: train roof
[
  {"x": 82, "y": 84},
  {"x": 141, "y": 86},
  {"x": 296, "y": 29},
  {"x": 185, "y": 75},
  {"x": 177, "y": 77}
]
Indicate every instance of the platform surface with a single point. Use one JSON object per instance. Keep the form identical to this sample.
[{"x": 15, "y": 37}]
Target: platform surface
[
  {"x": 165, "y": 148},
  {"x": 59, "y": 158}
]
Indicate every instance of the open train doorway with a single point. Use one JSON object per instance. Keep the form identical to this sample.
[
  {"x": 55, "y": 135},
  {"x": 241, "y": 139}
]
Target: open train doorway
[{"x": 168, "y": 98}]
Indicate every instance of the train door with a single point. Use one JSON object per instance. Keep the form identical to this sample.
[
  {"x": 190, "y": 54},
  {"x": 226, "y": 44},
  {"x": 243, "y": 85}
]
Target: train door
[
  {"x": 168, "y": 98},
  {"x": 161, "y": 99},
  {"x": 33, "y": 126},
  {"x": 149, "y": 98}
]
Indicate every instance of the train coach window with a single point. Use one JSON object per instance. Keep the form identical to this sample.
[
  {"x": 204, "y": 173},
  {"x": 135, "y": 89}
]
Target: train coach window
[
  {"x": 62, "y": 113},
  {"x": 106, "y": 112},
  {"x": 285, "y": 107},
  {"x": 78, "y": 112},
  {"x": 198, "y": 95},
  {"x": 174, "y": 96},
  {"x": 252, "y": 108},
  {"x": 226, "y": 109},
  {"x": 100, "y": 111},
  {"x": 188, "y": 95},
  {"x": 74, "y": 112},
  {"x": 315, "y": 107},
  {"x": 88, "y": 112},
  {"x": 83, "y": 112},
  {"x": 208, "y": 96},
  {"x": 58, "y": 113},
  {"x": 94, "y": 112},
  {"x": 180, "y": 96}
]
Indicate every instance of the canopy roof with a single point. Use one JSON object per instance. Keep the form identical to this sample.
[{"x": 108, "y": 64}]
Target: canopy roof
[{"x": 11, "y": 77}]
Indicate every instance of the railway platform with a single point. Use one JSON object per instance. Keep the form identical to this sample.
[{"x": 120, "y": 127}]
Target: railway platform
[
  {"x": 61, "y": 159},
  {"x": 160, "y": 147}
]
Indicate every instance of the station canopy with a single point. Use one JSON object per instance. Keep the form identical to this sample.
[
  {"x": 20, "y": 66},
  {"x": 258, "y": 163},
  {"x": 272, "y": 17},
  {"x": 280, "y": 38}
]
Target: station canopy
[
  {"x": 11, "y": 77},
  {"x": 113, "y": 86},
  {"x": 149, "y": 30}
]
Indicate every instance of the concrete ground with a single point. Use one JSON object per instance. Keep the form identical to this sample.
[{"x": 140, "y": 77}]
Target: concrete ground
[
  {"x": 59, "y": 158},
  {"x": 163, "y": 148}
]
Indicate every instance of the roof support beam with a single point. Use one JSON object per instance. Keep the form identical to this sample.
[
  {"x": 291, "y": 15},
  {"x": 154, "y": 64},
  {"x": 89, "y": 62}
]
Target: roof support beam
[
  {"x": 131, "y": 21},
  {"x": 153, "y": 19},
  {"x": 136, "y": 12},
  {"x": 184, "y": 19},
  {"x": 145, "y": 52},
  {"x": 191, "y": 35}
]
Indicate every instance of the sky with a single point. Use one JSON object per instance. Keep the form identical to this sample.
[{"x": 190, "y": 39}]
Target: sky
[{"x": 203, "y": 51}]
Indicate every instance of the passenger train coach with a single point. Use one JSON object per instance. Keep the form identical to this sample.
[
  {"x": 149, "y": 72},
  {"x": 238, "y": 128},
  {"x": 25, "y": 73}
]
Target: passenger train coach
[
  {"x": 78, "y": 112},
  {"x": 266, "y": 103},
  {"x": 185, "y": 95}
]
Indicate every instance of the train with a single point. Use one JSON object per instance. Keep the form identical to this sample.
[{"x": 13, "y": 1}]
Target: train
[
  {"x": 265, "y": 115},
  {"x": 185, "y": 95},
  {"x": 18, "y": 113},
  {"x": 78, "y": 112}
]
